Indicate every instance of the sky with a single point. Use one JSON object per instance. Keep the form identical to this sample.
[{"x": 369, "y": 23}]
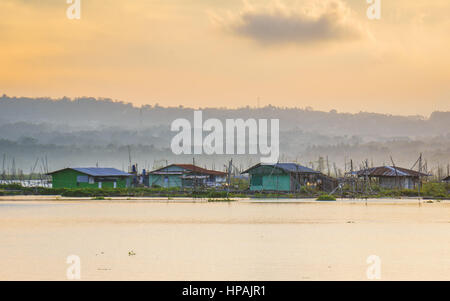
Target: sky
[{"x": 323, "y": 54}]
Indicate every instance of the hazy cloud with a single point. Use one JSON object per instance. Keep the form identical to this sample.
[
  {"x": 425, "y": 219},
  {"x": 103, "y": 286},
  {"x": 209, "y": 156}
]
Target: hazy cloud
[{"x": 277, "y": 24}]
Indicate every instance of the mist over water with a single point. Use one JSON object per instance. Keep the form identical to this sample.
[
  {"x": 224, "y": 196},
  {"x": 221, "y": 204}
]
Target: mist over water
[{"x": 88, "y": 131}]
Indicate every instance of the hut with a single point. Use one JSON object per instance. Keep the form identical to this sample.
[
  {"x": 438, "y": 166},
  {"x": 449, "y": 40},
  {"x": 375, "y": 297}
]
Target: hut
[
  {"x": 286, "y": 177},
  {"x": 186, "y": 176},
  {"x": 393, "y": 177},
  {"x": 90, "y": 177}
]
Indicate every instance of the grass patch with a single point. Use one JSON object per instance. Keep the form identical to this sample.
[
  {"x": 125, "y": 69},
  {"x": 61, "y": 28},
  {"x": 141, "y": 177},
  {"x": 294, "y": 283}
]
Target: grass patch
[
  {"x": 326, "y": 197},
  {"x": 431, "y": 190},
  {"x": 220, "y": 200}
]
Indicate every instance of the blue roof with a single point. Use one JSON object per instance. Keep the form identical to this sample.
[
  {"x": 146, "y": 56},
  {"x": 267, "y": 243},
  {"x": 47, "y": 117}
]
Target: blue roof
[
  {"x": 288, "y": 167},
  {"x": 294, "y": 167},
  {"x": 99, "y": 172}
]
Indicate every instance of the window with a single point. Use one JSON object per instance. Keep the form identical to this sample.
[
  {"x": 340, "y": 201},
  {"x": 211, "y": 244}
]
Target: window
[{"x": 82, "y": 179}]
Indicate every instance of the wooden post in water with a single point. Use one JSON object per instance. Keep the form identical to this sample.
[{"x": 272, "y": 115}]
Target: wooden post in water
[
  {"x": 351, "y": 173},
  {"x": 420, "y": 175},
  {"x": 230, "y": 165},
  {"x": 396, "y": 173}
]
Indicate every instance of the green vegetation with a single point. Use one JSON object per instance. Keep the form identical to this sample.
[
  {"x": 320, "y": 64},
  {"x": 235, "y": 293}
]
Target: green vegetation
[
  {"x": 326, "y": 197},
  {"x": 220, "y": 200},
  {"x": 438, "y": 190},
  {"x": 432, "y": 190},
  {"x": 17, "y": 189},
  {"x": 101, "y": 193},
  {"x": 428, "y": 190},
  {"x": 209, "y": 194},
  {"x": 240, "y": 184}
]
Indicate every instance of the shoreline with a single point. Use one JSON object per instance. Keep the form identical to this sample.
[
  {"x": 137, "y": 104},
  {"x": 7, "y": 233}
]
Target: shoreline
[{"x": 60, "y": 199}]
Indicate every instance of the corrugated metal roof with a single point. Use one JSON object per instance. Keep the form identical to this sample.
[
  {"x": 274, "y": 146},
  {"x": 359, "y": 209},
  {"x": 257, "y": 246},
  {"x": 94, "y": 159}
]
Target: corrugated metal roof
[
  {"x": 197, "y": 169},
  {"x": 390, "y": 171},
  {"x": 98, "y": 171},
  {"x": 288, "y": 167},
  {"x": 192, "y": 168},
  {"x": 294, "y": 167}
]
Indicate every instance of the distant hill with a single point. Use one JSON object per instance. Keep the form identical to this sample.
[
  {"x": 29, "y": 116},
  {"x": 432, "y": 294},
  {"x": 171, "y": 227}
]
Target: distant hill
[
  {"x": 89, "y": 131},
  {"x": 88, "y": 112}
]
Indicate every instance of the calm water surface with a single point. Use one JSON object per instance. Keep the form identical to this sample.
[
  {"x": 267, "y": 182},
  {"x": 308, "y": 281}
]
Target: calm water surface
[{"x": 223, "y": 241}]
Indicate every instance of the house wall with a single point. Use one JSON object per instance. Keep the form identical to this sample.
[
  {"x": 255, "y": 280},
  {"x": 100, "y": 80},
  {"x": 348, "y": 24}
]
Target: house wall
[
  {"x": 120, "y": 183},
  {"x": 164, "y": 180},
  {"x": 278, "y": 182},
  {"x": 267, "y": 178},
  {"x": 176, "y": 181},
  {"x": 65, "y": 179},
  {"x": 70, "y": 178},
  {"x": 393, "y": 182}
]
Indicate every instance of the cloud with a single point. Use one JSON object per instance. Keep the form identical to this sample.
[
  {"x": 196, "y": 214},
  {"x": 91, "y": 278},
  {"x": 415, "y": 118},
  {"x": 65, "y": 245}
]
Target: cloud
[{"x": 324, "y": 21}]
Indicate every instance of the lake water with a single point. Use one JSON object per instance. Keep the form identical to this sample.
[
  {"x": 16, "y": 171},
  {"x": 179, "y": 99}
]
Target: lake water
[{"x": 224, "y": 241}]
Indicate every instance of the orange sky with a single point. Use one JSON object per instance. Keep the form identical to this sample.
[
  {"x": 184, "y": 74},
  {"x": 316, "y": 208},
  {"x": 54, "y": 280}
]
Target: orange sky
[{"x": 322, "y": 54}]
